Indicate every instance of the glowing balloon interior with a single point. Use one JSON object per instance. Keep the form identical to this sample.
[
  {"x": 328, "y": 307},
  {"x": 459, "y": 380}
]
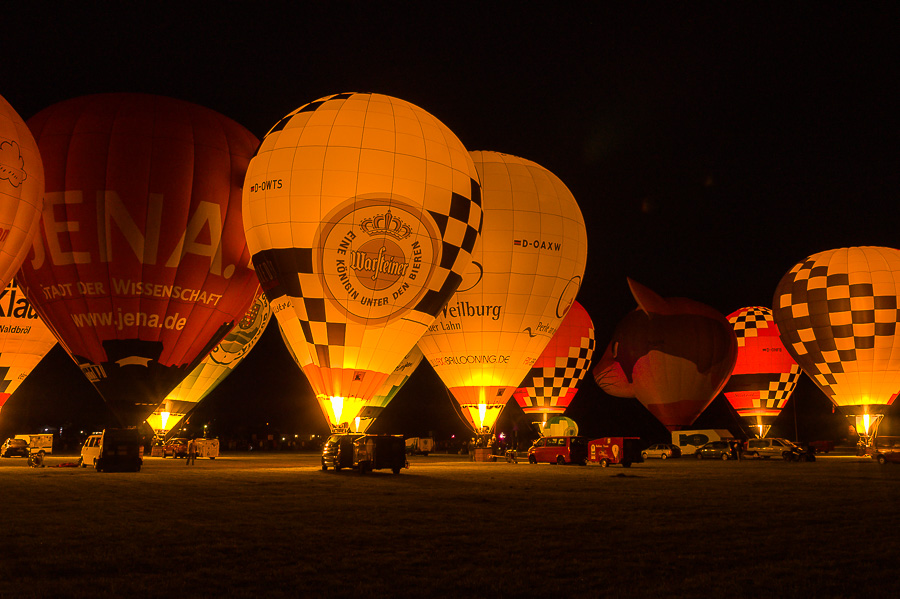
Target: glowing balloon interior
[
  {"x": 525, "y": 274},
  {"x": 24, "y": 340},
  {"x": 550, "y": 385},
  {"x": 21, "y": 191},
  {"x": 141, "y": 265},
  {"x": 837, "y": 312},
  {"x": 674, "y": 355},
  {"x": 361, "y": 212},
  {"x": 213, "y": 369},
  {"x": 765, "y": 374}
]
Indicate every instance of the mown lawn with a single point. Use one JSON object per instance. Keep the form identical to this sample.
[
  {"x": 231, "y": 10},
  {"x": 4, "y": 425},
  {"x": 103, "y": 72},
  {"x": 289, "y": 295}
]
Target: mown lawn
[{"x": 276, "y": 526}]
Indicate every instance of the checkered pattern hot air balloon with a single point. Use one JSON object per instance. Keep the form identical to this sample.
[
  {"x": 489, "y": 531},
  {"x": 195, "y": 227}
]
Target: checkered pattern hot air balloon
[
  {"x": 765, "y": 374},
  {"x": 838, "y": 312},
  {"x": 551, "y": 384},
  {"x": 361, "y": 212}
]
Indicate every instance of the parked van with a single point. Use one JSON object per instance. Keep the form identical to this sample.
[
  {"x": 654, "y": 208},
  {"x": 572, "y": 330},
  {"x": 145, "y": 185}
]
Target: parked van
[
  {"x": 119, "y": 451},
  {"x": 90, "y": 451},
  {"x": 38, "y": 444},
  {"x": 559, "y": 450},
  {"x": 615, "y": 450},
  {"x": 774, "y": 448},
  {"x": 374, "y": 452}
]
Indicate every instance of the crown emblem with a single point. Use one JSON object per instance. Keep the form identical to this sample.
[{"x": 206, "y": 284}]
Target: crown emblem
[{"x": 385, "y": 224}]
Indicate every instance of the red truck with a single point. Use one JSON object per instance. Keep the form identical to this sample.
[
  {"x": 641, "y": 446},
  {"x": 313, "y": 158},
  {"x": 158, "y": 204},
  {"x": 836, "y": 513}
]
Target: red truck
[{"x": 615, "y": 450}]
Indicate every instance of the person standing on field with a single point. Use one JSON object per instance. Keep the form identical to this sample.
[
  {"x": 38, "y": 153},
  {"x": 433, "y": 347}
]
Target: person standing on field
[{"x": 191, "y": 452}]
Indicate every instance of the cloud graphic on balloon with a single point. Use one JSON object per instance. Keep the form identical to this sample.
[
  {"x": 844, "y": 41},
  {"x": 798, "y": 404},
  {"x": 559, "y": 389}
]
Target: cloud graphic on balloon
[{"x": 12, "y": 164}]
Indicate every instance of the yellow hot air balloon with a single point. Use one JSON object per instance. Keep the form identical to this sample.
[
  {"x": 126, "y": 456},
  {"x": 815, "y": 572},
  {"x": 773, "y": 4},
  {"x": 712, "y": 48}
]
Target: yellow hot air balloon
[
  {"x": 837, "y": 312},
  {"x": 207, "y": 375},
  {"x": 361, "y": 211},
  {"x": 21, "y": 191},
  {"x": 24, "y": 340},
  {"x": 525, "y": 274}
]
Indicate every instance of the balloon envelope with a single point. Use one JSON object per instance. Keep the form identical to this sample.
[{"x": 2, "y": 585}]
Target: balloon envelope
[
  {"x": 674, "y": 355},
  {"x": 24, "y": 340},
  {"x": 213, "y": 369},
  {"x": 837, "y": 312},
  {"x": 551, "y": 384},
  {"x": 525, "y": 274},
  {"x": 361, "y": 211},
  {"x": 141, "y": 266},
  {"x": 21, "y": 191},
  {"x": 765, "y": 374}
]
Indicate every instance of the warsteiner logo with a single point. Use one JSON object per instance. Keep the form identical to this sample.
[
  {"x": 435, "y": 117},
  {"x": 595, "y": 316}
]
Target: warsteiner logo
[{"x": 376, "y": 256}]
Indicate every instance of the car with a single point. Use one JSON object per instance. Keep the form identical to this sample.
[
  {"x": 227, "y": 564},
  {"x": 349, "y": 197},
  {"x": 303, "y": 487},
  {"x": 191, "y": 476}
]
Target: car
[
  {"x": 14, "y": 447},
  {"x": 90, "y": 451},
  {"x": 885, "y": 449},
  {"x": 177, "y": 448},
  {"x": 661, "y": 450},
  {"x": 715, "y": 449},
  {"x": 775, "y": 448},
  {"x": 337, "y": 452},
  {"x": 559, "y": 450},
  {"x": 889, "y": 455}
]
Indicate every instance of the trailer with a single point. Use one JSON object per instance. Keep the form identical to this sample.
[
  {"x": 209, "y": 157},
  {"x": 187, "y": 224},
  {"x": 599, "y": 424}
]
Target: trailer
[
  {"x": 38, "y": 443},
  {"x": 419, "y": 445},
  {"x": 207, "y": 448},
  {"x": 615, "y": 450}
]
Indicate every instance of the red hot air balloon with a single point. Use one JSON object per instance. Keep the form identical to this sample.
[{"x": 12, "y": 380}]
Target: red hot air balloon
[
  {"x": 141, "y": 265},
  {"x": 550, "y": 385},
  {"x": 674, "y": 355},
  {"x": 765, "y": 374}
]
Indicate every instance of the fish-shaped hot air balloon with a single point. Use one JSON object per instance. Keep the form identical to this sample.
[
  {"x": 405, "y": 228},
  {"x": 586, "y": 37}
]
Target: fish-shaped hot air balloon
[{"x": 674, "y": 355}]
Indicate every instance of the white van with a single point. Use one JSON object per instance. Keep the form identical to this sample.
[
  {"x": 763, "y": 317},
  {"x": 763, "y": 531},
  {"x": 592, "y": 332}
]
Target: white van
[
  {"x": 774, "y": 448},
  {"x": 38, "y": 444},
  {"x": 90, "y": 451}
]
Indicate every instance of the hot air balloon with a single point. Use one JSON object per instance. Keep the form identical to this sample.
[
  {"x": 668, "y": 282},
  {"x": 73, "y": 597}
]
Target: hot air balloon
[
  {"x": 388, "y": 391},
  {"x": 550, "y": 385},
  {"x": 361, "y": 212},
  {"x": 213, "y": 369},
  {"x": 21, "y": 191},
  {"x": 24, "y": 340},
  {"x": 674, "y": 355},
  {"x": 525, "y": 274},
  {"x": 765, "y": 374},
  {"x": 141, "y": 266},
  {"x": 837, "y": 312}
]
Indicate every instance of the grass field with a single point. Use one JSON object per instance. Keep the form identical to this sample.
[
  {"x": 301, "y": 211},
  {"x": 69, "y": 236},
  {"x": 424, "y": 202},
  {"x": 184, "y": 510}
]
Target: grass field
[{"x": 275, "y": 525}]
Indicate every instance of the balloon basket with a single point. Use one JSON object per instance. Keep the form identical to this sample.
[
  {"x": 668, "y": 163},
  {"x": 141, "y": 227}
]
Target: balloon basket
[{"x": 483, "y": 454}]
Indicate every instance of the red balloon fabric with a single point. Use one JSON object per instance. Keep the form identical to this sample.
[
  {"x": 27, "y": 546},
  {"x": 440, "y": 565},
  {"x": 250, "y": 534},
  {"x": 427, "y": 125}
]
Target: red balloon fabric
[
  {"x": 550, "y": 385},
  {"x": 674, "y": 355},
  {"x": 141, "y": 265}
]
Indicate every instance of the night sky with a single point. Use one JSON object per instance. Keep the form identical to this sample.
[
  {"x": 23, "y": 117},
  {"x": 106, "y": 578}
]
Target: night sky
[{"x": 709, "y": 150}]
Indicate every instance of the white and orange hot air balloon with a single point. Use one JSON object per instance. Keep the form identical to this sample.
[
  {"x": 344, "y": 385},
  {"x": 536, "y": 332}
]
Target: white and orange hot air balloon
[
  {"x": 361, "y": 212},
  {"x": 24, "y": 340},
  {"x": 21, "y": 191},
  {"x": 525, "y": 274},
  {"x": 837, "y": 312}
]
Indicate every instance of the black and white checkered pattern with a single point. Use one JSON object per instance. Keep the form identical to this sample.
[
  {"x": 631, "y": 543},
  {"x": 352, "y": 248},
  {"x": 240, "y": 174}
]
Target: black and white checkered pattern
[
  {"x": 780, "y": 390},
  {"x": 829, "y": 316},
  {"x": 747, "y": 323},
  {"x": 550, "y": 383}
]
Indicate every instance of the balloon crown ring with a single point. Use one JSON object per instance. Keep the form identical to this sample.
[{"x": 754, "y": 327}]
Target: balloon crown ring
[{"x": 386, "y": 224}]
